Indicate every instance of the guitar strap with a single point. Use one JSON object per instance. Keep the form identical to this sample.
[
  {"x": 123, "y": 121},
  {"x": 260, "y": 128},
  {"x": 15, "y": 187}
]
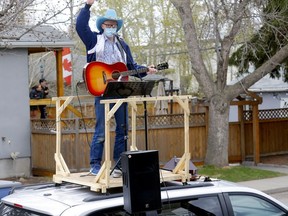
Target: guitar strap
[{"x": 123, "y": 54}]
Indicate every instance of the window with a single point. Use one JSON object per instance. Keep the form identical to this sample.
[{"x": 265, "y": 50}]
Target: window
[
  {"x": 209, "y": 205},
  {"x": 252, "y": 205},
  {"x": 201, "y": 206}
]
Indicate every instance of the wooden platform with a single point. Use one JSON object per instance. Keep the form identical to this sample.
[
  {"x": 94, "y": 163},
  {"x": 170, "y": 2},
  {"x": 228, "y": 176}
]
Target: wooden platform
[
  {"x": 86, "y": 179},
  {"x": 103, "y": 180}
]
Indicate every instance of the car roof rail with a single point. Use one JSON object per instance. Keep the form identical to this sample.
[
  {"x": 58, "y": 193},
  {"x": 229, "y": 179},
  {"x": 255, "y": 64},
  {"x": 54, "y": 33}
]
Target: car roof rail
[
  {"x": 172, "y": 185},
  {"x": 102, "y": 196}
]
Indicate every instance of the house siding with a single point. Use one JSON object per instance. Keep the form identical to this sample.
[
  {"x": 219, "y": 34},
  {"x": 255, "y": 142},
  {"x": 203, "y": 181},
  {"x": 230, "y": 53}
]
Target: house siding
[
  {"x": 14, "y": 113},
  {"x": 272, "y": 100}
]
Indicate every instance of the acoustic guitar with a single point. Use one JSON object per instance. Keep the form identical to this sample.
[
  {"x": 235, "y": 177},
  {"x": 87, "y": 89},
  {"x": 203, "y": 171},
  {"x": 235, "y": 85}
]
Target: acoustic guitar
[{"x": 97, "y": 74}]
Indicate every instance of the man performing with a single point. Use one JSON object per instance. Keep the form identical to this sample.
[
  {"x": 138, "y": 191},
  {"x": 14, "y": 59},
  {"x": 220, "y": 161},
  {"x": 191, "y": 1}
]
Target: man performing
[{"x": 103, "y": 46}]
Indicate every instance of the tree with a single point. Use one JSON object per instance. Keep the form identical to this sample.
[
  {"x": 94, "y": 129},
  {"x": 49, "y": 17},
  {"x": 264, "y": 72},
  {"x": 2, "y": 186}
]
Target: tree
[
  {"x": 11, "y": 12},
  {"x": 267, "y": 41},
  {"x": 223, "y": 22},
  {"x": 32, "y": 13}
]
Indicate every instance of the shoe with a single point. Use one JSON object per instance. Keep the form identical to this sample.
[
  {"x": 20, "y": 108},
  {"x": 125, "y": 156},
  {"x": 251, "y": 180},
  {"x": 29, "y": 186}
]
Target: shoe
[
  {"x": 95, "y": 169},
  {"x": 116, "y": 173}
]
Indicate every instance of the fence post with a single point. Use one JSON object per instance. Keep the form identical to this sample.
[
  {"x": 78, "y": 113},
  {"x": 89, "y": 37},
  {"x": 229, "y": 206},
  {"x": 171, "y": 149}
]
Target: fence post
[
  {"x": 242, "y": 133},
  {"x": 256, "y": 147}
]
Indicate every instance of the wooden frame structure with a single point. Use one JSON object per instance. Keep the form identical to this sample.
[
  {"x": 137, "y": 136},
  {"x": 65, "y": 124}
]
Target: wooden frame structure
[
  {"x": 256, "y": 100},
  {"x": 102, "y": 181}
]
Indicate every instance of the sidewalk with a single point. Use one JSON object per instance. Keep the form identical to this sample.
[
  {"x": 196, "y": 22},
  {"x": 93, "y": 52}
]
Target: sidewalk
[{"x": 270, "y": 185}]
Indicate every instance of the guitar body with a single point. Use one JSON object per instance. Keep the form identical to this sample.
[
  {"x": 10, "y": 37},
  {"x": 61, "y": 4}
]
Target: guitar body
[{"x": 98, "y": 74}]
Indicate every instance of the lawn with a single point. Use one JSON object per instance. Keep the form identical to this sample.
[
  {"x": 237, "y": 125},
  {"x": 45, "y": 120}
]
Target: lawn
[{"x": 236, "y": 173}]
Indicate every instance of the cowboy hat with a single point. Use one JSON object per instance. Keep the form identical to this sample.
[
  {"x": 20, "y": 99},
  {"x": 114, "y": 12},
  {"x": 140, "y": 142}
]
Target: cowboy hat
[{"x": 109, "y": 15}]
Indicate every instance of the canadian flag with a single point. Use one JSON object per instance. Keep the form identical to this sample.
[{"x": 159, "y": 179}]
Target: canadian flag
[{"x": 67, "y": 65}]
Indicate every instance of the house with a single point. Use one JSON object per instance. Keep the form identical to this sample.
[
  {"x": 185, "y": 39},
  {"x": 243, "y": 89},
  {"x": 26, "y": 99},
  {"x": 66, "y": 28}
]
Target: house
[
  {"x": 15, "y": 47},
  {"x": 274, "y": 92}
]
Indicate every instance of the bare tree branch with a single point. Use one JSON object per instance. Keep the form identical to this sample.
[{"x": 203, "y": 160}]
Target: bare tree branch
[
  {"x": 184, "y": 9},
  {"x": 259, "y": 73}
]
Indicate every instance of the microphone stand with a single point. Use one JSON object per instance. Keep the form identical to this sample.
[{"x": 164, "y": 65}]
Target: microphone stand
[
  {"x": 144, "y": 102},
  {"x": 129, "y": 59}
]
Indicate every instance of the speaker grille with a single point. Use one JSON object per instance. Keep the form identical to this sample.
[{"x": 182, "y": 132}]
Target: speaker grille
[{"x": 141, "y": 181}]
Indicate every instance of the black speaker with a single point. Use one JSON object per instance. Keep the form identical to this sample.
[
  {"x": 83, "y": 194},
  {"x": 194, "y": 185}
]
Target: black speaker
[{"x": 141, "y": 181}]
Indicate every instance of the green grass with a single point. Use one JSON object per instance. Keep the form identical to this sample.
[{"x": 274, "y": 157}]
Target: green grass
[{"x": 236, "y": 173}]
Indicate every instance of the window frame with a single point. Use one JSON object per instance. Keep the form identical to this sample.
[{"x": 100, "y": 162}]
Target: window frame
[
  {"x": 219, "y": 196},
  {"x": 227, "y": 195}
]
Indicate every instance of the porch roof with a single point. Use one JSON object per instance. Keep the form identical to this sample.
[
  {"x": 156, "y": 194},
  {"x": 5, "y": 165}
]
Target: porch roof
[{"x": 36, "y": 39}]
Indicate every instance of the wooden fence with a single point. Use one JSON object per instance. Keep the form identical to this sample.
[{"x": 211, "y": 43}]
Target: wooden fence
[{"x": 165, "y": 133}]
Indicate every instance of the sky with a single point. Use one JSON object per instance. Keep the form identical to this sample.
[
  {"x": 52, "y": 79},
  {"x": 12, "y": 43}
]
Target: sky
[{"x": 43, "y": 9}]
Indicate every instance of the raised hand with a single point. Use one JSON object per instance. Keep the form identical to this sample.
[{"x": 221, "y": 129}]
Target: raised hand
[{"x": 90, "y": 2}]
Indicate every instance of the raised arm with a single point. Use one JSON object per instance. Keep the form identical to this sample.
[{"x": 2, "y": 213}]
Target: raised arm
[{"x": 82, "y": 26}]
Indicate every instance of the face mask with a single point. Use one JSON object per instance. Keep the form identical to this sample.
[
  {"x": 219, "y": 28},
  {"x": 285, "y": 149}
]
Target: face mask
[{"x": 110, "y": 31}]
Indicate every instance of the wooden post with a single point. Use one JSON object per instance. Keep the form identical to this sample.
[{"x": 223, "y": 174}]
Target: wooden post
[
  {"x": 242, "y": 133},
  {"x": 60, "y": 80},
  {"x": 183, "y": 164},
  {"x": 59, "y": 77},
  {"x": 61, "y": 167},
  {"x": 133, "y": 124},
  {"x": 206, "y": 124},
  {"x": 256, "y": 141}
]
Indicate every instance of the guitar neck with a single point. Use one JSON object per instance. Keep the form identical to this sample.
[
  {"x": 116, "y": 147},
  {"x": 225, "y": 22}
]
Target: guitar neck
[{"x": 133, "y": 72}]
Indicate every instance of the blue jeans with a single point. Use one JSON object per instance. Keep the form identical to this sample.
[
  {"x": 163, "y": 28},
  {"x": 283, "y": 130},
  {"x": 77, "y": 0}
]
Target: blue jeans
[{"x": 97, "y": 145}]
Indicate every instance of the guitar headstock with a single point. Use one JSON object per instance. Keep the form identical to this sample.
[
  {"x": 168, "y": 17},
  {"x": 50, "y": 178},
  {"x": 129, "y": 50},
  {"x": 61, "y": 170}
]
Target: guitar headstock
[{"x": 162, "y": 66}]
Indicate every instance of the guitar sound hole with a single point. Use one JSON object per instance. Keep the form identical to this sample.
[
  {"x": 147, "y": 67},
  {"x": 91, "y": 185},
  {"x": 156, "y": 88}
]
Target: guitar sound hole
[{"x": 115, "y": 75}]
